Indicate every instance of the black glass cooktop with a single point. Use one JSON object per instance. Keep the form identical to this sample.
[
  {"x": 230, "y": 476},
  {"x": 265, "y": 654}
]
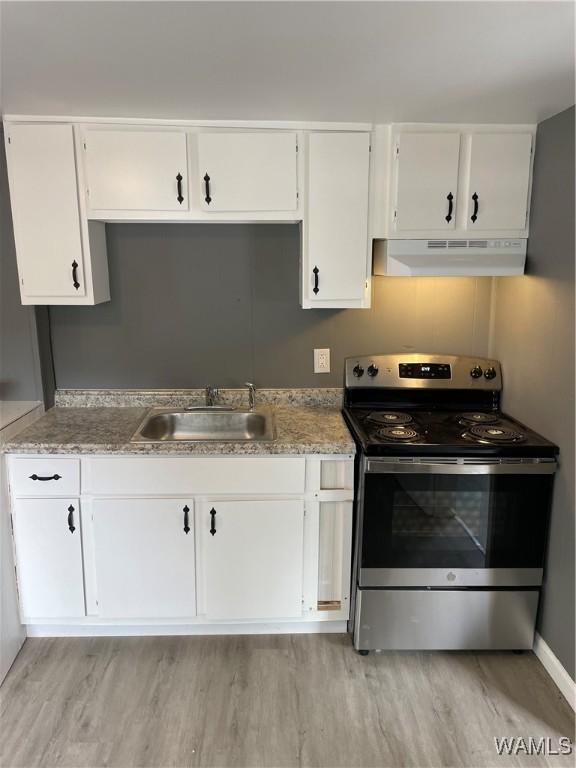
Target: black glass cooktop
[{"x": 416, "y": 432}]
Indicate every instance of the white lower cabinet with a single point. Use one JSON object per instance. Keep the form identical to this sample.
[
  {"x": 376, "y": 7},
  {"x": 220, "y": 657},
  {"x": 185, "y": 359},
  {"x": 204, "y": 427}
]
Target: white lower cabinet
[
  {"x": 251, "y": 555},
  {"x": 207, "y": 541},
  {"x": 49, "y": 557},
  {"x": 144, "y": 558}
]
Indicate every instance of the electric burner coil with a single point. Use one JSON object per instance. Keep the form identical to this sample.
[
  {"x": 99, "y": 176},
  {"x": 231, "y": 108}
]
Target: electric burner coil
[
  {"x": 392, "y": 418},
  {"x": 397, "y": 433},
  {"x": 496, "y": 434},
  {"x": 478, "y": 417}
]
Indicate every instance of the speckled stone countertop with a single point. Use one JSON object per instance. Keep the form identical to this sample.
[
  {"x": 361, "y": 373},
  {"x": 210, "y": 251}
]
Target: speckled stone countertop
[{"x": 96, "y": 430}]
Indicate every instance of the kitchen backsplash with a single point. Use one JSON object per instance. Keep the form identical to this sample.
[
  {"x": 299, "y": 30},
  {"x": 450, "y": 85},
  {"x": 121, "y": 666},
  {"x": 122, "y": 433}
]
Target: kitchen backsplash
[
  {"x": 182, "y": 398},
  {"x": 194, "y": 305}
]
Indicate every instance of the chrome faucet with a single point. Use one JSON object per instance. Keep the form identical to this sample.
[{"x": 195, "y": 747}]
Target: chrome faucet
[
  {"x": 211, "y": 393},
  {"x": 251, "y": 395}
]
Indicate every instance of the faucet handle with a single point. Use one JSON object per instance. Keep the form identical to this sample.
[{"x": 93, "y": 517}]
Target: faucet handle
[
  {"x": 251, "y": 394},
  {"x": 211, "y": 394}
]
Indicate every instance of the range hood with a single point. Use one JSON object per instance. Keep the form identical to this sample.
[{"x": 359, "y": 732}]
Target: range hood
[{"x": 473, "y": 258}]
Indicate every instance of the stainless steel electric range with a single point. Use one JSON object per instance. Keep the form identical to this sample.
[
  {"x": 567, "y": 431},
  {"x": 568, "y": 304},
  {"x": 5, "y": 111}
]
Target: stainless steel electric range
[{"x": 452, "y": 506}]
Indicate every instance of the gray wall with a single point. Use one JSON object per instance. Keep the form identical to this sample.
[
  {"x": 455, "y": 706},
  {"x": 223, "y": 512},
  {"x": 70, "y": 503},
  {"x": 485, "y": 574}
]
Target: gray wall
[
  {"x": 533, "y": 336},
  {"x": 197, "y": 304},
  {"x": 19, "y": 359}
]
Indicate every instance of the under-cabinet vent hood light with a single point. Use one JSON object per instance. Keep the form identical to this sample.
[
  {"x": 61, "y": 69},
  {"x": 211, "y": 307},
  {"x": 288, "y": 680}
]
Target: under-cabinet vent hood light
[{"x": 473, "y": 258}]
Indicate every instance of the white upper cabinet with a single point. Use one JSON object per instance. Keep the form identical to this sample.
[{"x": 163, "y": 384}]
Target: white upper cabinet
[
  {"x": 498, "y": 182},
  {"x": 431, "y": 180},
  {"x": 252, "y": 557},
  {"x": 135, "y": 170},
  {"x": 335, "y": 234},
  {"x": 45, "y": 209},
  {"x": 49, "y": 557},
  {"x": 427, "y": 181},
  {"x": 416, "y": 182},
  {"x": 241, "y": 171},
  {"x": 144, "y": 558},
  {"x": 61, "y": 258}
]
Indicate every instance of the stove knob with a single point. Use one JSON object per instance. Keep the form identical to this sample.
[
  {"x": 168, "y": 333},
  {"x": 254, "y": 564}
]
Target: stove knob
[
  {"x": 372, "y": 370},
  {"x": 490, "y": 373},
  {"x": 358, "y": 370},
  {"x": 476, "y": 372}
]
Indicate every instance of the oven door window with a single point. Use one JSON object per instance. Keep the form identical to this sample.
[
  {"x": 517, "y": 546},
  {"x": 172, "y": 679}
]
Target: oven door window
[{"x": 455, "y": 521}]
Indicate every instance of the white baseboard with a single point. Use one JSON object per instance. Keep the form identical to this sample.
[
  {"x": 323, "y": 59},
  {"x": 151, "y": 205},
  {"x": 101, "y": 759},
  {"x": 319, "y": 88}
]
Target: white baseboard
[
  {"x": 131, "y": 630},
  {"x": 552, "y": 665}
]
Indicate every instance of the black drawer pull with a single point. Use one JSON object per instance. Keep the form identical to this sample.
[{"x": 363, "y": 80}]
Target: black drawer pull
[
  {"x": 52, "y": 477},
  {"x": 71, "y": 527},
  {"x": 207, "y": 188},
  {"x": 179, "y": 182},
  {"x": 316, "y": 272},
  {"x": 475, "y": 213},
  {"x": 450, "y": 198},
  {"x": 75, "y": 282},
  {"x": 213, "y": 521},
  {"x": 186, "y": 521}
]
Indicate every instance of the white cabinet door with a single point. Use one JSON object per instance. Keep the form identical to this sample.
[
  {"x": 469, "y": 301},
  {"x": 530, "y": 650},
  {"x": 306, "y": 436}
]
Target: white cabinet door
[
  {"x": 49, "y": 558},
  {"x": 247, "y": 171},
  {"x": 144, "y": 558},
  {"x": 45, "y": 210},
  {"x": 498, "y": 181},
  {"x": 427, "y": 181},
  {"x": 136, "y": 170},
  {"x": 12, "y": 632},
  {"x": 252, "y": 558},
  {"x": 336, "y": 225}
]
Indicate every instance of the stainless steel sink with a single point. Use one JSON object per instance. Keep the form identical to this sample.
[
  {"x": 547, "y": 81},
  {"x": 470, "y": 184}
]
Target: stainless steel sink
[{"x": 164, "y": 425}]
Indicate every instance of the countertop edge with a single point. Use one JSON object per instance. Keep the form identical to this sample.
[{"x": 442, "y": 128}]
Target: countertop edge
[{"x": 197, "y": 449}]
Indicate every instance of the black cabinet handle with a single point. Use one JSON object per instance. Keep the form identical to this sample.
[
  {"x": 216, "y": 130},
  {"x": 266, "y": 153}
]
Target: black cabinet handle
[
  {"x": 52, "y": 477},
  {"x": 213, "y": 521},
  {"x": 186, "y": 521},
  {"x": 75, "y": 282},
  {"x": 316, "y": 272},
  {"x": 450, "y": 198},
  {"x": 71, "y": 527},
  {"x": 179, "y": 183},
  {"x": 207, "y": 188},
  {"x": 475, "y": 213}
]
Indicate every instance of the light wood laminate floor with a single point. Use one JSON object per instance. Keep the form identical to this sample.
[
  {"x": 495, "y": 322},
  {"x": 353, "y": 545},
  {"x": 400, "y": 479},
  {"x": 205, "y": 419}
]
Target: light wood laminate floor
[{"x": 280, "y": 700}]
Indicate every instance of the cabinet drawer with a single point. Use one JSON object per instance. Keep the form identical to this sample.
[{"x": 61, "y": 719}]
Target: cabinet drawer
[
  {"x": 194, "y": 476},
  {"x": 44, "y": 477}
]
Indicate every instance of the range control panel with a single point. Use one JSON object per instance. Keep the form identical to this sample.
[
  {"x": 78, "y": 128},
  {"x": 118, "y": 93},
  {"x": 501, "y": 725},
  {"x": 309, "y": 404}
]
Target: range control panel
[{"x": 423, "y": 370}]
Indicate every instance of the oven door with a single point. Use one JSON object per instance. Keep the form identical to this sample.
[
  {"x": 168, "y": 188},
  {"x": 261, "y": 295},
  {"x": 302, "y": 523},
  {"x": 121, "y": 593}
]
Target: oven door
[{"x": 454, "y": 523}]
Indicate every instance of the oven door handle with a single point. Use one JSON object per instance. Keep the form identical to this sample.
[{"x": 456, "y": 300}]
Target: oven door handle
[{"x": 459, "y": 467}]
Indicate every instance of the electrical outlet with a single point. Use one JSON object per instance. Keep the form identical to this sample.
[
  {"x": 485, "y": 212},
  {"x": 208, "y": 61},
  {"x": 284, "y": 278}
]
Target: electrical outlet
[{"x": 321, "y": 361}]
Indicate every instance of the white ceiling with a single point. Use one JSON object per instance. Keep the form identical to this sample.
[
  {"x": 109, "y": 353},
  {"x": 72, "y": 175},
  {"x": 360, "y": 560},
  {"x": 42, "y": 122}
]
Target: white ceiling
[{"x": 374, "y": 61}]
